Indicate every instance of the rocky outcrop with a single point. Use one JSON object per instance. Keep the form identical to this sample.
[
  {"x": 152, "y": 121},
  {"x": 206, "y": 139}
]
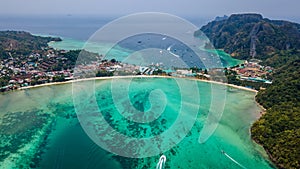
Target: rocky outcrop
[{"x": 245, "y": 36}]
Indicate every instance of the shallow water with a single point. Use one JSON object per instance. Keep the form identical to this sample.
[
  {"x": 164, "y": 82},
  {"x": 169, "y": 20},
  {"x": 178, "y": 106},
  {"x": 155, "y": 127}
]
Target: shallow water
[{"x": 64, "y": 144}]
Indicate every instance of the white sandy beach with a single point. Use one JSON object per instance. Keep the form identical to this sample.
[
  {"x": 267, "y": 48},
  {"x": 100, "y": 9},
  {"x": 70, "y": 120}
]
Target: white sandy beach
[{"x": 137, "y": 76}]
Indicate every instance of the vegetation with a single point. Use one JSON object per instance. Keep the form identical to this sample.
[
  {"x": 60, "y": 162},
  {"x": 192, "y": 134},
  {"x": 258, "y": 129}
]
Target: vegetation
[
  {"x": 21, "y": 52},
  {"x": 103, "y": 73},
  {"x": 4, "y": 81},
  {"x": 59, "y": 78},
  {"x": 21, "y": 43},
  {"x": 277, "y": 44},
  {"x": 74, "y": 57},
  {"x": 281, "y": 58},
  {"x": 279, "y": 129},
  {"x": 232, "y": 78},
  {"x": 244, "y": 35}
]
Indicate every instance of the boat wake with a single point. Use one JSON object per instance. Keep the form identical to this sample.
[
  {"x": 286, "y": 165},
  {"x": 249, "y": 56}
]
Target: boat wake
[
  {"x": 233, "y": 160},
  {"x": 161, "y": 163},
  {"x": 169, "y": 49}
]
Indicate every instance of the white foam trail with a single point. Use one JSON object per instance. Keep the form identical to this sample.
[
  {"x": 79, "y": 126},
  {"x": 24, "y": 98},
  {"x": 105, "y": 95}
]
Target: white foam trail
[
  {"x": 169, "y": 49},
  {"x": 161, "y": 163},
  {"x": 174, "y": 54},
  {"x": 228, "y": 156}
]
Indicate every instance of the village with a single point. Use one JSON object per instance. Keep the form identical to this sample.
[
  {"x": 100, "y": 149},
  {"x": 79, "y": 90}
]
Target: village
[
  {"x": 253, "y": 71},
  {"x": 49, "y": 65}
]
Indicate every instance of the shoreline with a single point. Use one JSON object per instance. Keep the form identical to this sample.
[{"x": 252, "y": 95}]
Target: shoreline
[
  {"x": 137, "y": 76},
  {"x": 261, "y": 113},
  {"x": 263, "y": 110}
]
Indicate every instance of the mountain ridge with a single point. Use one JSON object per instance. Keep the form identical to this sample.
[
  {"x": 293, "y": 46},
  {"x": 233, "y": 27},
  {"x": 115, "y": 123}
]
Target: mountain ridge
[{"x": 246, "y": 36}]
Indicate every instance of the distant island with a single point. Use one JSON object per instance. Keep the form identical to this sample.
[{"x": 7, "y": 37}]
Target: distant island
[{"x": 274, "y": 43}]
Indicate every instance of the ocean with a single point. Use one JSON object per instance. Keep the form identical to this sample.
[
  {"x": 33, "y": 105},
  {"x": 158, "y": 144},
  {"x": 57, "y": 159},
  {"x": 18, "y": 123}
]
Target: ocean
[
  {"x": 75, "y": 27},
  {"x": 65, "y": 144},
  {"x": 76, "y": 31},
  {"x": 41, "y": 128}
]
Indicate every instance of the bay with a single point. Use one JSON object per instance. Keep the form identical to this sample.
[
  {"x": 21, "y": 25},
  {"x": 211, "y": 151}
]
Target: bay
[
  {"x": 119, "y": 52},
  {"x": 66, "y": 145}
]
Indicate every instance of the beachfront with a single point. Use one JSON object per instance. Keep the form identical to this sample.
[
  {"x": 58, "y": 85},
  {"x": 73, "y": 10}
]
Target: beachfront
[{"x": 138, "y": 76}]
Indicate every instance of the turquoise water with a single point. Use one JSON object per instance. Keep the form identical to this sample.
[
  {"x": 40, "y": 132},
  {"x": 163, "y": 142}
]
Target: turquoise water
[
  {"x": 64, "y": 144},
  {"x": 101, "y": 48},
  {"x": 119, "y": 52},
  {"x": 227, "y": 60},
  {"x": 69, "y": 147}
]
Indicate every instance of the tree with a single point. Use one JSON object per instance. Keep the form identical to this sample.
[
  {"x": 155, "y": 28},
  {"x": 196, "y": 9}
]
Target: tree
[{"x": 113, "y": 61}]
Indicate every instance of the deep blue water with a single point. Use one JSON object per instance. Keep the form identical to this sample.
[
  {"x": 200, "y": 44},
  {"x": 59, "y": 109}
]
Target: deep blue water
[
  {"x": 72, "y": 27},
  {"x": 75, "y": 27}
]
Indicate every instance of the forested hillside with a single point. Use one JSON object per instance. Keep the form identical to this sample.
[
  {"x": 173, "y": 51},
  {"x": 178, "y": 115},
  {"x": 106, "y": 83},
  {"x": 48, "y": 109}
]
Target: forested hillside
[
  {"x": 21, "y": 43},
  {"x": 277, "y": 44},
  {"x": 251, "y": 35},
  {"x": 279, "y": 129}
]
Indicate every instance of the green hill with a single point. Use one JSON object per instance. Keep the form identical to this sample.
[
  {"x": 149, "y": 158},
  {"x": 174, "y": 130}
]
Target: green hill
[
  {"x": 277, "y": 44},
  {"x": 279, "y": 129},
  {"x": 251, "y": 35},
  {"x": 21, "y": 43}
]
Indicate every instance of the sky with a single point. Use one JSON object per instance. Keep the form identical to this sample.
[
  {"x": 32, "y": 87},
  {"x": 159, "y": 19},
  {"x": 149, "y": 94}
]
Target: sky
[{"x": 274, "y": 9}]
